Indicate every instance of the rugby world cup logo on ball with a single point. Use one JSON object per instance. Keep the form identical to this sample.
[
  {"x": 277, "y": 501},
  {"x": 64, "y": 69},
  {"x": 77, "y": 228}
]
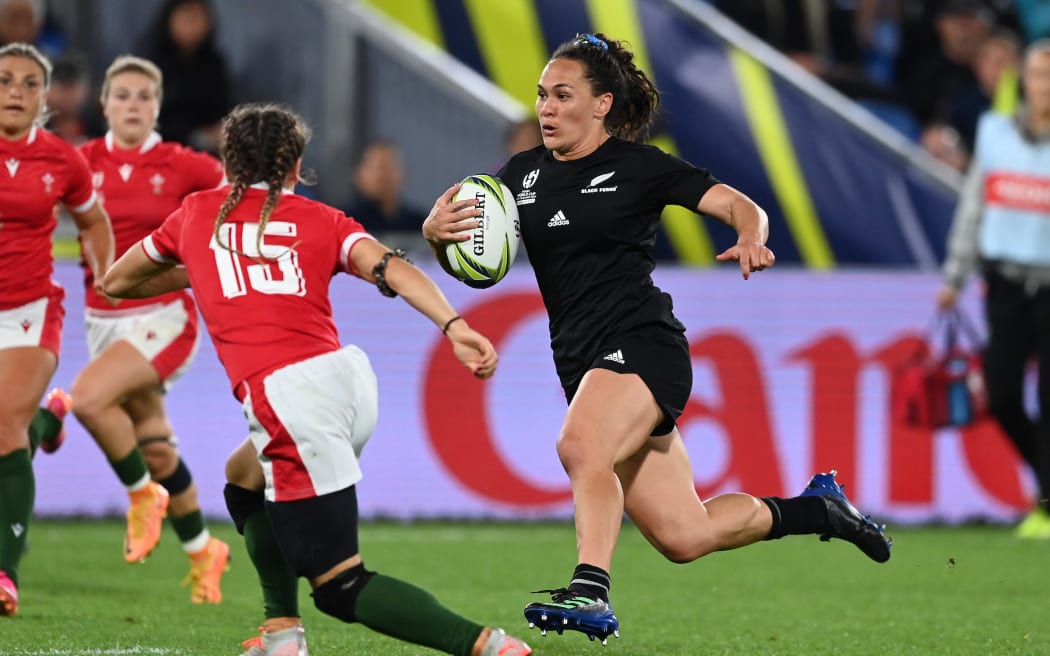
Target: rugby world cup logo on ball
[{"x": 484, "y": 259}]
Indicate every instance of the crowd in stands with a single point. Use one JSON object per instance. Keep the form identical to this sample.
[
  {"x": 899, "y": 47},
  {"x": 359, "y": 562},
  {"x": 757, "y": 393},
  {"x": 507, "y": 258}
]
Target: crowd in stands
[
  {"x": 927, "y": 67},
  {"x": 181, "y": 42}
]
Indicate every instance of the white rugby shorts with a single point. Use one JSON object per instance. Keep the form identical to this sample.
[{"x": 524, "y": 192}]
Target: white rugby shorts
[
  {"x": 309, "y": 421},
  {"x": 165, "y": 334},
  {"x": 37, "y": 323}
]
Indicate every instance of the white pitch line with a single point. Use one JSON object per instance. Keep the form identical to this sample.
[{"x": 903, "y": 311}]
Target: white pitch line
[{"x": 123, "y": 651}]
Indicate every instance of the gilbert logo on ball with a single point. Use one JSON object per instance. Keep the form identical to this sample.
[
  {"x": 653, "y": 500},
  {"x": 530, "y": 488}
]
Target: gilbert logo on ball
[{"x": 484, "y": 259}]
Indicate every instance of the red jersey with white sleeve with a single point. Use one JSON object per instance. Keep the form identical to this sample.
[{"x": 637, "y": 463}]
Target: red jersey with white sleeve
[
  {"x": 262, "y": 314},
  {"x": 139, "y": 189},
  {"x": 40, "y": 171}
]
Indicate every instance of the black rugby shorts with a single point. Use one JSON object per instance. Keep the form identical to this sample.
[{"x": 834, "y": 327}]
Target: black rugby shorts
[{"x": 659, "y": 355}]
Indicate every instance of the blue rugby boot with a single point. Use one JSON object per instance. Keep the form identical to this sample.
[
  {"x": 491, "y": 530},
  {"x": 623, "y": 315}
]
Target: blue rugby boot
[
  {"x": 845, "y": 522},
  {"x": 575, "y": 611}
]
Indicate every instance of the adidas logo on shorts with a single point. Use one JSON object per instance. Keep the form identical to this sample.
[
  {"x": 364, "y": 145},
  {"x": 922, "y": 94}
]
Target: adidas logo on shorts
[{"x": 616, "y": 356}]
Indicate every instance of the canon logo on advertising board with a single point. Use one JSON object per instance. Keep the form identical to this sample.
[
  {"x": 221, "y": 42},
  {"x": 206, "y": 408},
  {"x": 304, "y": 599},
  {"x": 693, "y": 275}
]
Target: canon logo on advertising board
[{"x": 803, "y": 390}]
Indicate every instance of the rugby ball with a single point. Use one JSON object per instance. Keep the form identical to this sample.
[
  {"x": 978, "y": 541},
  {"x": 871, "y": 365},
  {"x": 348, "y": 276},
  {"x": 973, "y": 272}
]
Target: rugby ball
[{"x": 484, "y": 259}]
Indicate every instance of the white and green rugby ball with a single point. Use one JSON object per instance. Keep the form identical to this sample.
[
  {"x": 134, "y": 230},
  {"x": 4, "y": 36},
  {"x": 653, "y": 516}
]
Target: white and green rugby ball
[{"x": 484, "y": 259}]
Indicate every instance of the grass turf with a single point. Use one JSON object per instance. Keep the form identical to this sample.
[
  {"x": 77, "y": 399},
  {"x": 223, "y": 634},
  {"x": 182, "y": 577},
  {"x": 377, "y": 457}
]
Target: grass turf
[{"x": 957, "y": 591}]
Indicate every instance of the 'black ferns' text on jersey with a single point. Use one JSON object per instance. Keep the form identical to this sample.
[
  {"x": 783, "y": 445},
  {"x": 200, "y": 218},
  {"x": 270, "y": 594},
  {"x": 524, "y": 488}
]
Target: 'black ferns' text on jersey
[{"x": 589, "y": 226}]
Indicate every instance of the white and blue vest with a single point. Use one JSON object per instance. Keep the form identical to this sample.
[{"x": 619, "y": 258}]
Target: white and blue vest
[{"x": 1015, "y": 226}]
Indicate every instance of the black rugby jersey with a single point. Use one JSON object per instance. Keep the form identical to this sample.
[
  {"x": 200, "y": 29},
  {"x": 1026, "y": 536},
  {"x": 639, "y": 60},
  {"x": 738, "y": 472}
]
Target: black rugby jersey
[{"x": 589, "y": 226}]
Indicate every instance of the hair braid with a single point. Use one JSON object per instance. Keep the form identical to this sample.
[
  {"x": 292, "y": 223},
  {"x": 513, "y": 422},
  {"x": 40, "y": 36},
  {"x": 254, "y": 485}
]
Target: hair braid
[{"x": 261, "y": 143}]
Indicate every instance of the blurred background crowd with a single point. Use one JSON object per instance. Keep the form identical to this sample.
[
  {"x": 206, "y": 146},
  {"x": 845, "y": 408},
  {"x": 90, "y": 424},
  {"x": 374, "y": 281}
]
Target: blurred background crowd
[{"x": 927, "y": 68}]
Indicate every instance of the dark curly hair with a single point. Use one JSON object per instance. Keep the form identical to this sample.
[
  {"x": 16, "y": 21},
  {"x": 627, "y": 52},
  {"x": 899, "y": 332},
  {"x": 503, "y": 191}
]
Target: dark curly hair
[{"x": 611, "y": 69}]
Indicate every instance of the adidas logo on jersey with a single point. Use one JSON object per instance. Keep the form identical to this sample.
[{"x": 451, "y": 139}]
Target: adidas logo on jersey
[
  {"x": 558, "y": 220},
  {"x": 616, "y": 356}
]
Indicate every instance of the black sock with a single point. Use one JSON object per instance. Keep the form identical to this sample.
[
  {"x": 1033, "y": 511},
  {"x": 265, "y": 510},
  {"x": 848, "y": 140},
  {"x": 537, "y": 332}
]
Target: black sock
[
  {"x": 797, "y": 516},
  {"x": 591, "y": 580}
]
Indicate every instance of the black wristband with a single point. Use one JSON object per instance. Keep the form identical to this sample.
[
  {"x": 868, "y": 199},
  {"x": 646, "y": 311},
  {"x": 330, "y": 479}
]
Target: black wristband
[
  {"x": 379, "y": 271},
  {"x": 448, "y": 324}
]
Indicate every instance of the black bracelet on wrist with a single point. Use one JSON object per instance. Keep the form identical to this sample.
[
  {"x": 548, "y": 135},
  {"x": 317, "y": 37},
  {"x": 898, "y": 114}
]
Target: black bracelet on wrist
[
  {"x": 448, "y": 324},
  {"x": 379, "y": 271}
]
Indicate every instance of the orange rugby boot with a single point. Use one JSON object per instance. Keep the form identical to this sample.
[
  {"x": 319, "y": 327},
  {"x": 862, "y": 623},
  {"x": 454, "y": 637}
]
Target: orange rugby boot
[
  {"x": 145, "y": 519},
  {"x": 206, "y": 569}
]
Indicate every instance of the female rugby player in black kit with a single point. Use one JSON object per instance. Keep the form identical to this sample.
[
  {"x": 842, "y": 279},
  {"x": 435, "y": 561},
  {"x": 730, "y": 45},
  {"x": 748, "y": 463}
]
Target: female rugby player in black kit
[{"x": 590, "y": 200}]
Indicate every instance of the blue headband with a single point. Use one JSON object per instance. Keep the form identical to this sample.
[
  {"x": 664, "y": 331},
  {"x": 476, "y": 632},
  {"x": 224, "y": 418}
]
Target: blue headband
[{"x": 592, "y": 40}]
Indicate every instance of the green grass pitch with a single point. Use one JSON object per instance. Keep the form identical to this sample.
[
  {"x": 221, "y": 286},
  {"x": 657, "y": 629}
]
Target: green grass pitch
[{"x": 953, "y": 591}]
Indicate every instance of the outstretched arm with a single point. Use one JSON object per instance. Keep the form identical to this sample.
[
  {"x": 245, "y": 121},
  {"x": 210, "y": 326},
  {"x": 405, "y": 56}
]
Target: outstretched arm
[
  {"x": 750, "y": 222},
  {"x": 135, "y": 275},
  {"x": 472, "y": 348}
]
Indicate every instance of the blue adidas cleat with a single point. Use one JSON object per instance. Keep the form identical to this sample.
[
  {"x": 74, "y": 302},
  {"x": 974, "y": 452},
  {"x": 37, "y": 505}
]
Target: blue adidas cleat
[
  {"x": 846, "y": 522},
  {"x": 574, "y": 611}
]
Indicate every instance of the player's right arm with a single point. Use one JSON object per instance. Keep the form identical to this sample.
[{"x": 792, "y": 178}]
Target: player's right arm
[
  {"x": 445, "y": 224},
  {"x": 136, "y": 275},
  {"x": 472, "y": 348},
  {"x": 150, "y": 267},
  {"x": 96, "y": 238}
]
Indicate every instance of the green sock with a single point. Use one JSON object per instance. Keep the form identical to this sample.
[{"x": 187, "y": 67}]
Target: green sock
[
  {"x": 17, "y": 491},
  {"x": 44, "y": 428},
  {"x": 401, "y": 610},
  {"x": 280, "y": 585},
  {"x": 188, "y": 526},
  {"x": 132, "y": 468}
]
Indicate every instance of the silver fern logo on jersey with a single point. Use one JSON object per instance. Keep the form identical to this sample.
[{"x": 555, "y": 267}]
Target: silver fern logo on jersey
[{"x": 593, "y": 187}]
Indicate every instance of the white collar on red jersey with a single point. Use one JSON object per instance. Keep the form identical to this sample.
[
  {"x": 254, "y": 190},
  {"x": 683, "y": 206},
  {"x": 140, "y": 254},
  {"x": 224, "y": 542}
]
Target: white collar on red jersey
[
  {"x": 32, "y": 134},
  {"x": 266, "y": 187},
  {"x": 152, "y": 140}
]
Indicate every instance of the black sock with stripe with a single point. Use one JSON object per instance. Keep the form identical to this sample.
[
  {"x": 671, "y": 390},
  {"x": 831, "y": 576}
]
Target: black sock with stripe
[{"x": 591, "y": 581}]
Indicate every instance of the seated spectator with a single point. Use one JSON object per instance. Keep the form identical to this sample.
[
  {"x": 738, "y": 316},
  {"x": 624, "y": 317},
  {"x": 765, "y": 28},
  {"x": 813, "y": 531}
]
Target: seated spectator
[
  {"x": 27, "y": 21},
  {"x": 999, "y": 55},
  {"x": 523, "y": 135},
  {"x": 878, "y": 26},
  {"x": 196, "y": 86},
  {"x": 68, "y": 100},
  {"x": 928, "y": 80},
  {"x": 944, "y": 143},
  {"x": 378, "y": 202}
]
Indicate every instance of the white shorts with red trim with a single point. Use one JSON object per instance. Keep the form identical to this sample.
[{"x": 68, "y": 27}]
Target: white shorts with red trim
[
  {"x": 309, "y": 421},
  {"x": 165, "y": 334},
  {"x": 38, "y": 323}
]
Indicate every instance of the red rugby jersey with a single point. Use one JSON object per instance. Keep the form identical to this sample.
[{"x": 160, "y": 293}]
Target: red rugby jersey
[
  {"x": 139, "y": 188},
  {"x": 261, "y": 314},
  {"x": 40, "y": 170}
]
